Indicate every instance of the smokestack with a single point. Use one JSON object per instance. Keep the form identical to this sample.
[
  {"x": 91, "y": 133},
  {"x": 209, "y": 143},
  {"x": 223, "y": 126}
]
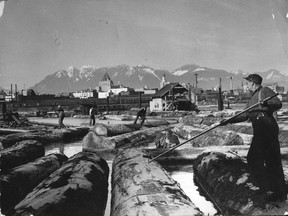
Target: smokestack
[
  {"x": 16, "y": 93},
  {"x": 11, "y": 92},
  {"x": 231, "y": 84}
]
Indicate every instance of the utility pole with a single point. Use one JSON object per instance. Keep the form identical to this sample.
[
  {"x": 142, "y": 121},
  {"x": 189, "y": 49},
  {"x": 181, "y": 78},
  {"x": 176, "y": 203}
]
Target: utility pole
[
  {"x": 196, "y": 88},
  {"x": 220, "y": 101},
  {"x": 140, "y": 100}
]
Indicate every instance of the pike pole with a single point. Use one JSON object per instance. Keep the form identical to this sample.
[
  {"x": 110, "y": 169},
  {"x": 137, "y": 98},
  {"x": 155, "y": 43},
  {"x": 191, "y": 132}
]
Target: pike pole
[{"x": 227, "y": 120}]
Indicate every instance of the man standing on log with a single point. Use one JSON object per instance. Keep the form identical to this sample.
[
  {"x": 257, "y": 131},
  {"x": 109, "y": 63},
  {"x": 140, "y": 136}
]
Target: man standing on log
[
  {"x": 61, "y": 116},
  {"x": 142, "y": 114},
  {"x": 264, "y": 157},
  {"x": 92, "y": 112}
]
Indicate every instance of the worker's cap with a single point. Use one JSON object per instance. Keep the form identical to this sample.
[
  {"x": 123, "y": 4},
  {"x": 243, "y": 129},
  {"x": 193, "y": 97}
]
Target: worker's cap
[
  {"x": 59, "y": 106},
  {"x": 255, "y": 78}
]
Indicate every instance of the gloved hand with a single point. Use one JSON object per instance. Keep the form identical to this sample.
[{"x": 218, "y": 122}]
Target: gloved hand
[
  {"x": 224, "y": 122},
  {"x": 264, "y": 103}
]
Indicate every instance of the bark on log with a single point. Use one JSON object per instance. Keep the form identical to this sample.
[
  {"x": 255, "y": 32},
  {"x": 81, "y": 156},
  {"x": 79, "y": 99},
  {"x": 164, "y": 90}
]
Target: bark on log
[
  {"x": 79, "y": 187},
  {"x": 19, "y": 181},
  {"x": 92, "y": 141},
  {"x": 232, "y": 187},
  {"x": 1, "y": 146},
  {"x": 247, "y": 129},
  {"x": 218, "y": 136},
  {"x": 154, "y": 122},
  {"x": 21, "y": 153},
  {"x": 45, "y": 136},
  {"x": 134, "y": 139},
  {"x": 189, "y": 154},
  {"x": 142, "y": 188},
  {"x": 116, "y": 129}
]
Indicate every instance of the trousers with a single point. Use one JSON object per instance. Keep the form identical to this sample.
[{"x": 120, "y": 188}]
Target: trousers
[{"x": 264, "y": 157}]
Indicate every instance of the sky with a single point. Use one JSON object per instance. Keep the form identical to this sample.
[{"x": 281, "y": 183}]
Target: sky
[{"x": 40, "y": 37}]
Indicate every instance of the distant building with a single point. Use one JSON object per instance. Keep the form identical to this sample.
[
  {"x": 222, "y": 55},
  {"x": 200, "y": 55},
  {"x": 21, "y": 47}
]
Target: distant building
[
  {"x": 106, "y": 84},
  {"x": 163, "y": 81},
  {"x": 85, "y": 94},
  {"x": 170, "y": 97},
  {"x": 275, "y": 87}
]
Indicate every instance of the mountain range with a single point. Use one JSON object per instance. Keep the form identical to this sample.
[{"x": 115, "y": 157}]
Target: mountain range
[{"x": 88, "y": 77}]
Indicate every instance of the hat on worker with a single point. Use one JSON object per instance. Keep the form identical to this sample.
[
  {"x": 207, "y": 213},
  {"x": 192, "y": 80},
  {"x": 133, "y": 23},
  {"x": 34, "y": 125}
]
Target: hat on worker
[{"x": 255, "y": 78}]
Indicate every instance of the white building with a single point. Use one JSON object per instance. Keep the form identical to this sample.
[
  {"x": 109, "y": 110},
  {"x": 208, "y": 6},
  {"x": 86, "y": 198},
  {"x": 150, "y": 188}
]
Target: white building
[{"x": 83, "y": 94}]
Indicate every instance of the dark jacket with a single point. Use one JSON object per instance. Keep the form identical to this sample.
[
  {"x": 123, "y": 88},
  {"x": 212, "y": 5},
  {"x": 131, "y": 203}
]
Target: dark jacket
[{"x": 269, "y": 107}]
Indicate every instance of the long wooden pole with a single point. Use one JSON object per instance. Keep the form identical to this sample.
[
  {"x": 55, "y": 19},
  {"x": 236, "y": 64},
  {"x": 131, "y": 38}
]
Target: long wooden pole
[{"x": 227, "y": 120}]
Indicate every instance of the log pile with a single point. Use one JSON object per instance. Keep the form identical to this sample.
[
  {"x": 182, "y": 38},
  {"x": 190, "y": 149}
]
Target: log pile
[
  {"x": 79, "y": 187},
  {"x": 20, "y": 153},
  {"x": 19, "y": 181},
  {"x": 231, "y": 186},
  {"x": 142, "y": 188}
]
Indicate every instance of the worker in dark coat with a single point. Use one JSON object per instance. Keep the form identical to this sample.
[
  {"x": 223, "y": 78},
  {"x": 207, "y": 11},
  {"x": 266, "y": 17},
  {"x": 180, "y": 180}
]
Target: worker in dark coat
[
  {"x": 264, "y": 158},
  {"x": 142, "y": 114},
  {"x": 61, "y": 116},
  {"x": 92, "y": 112}
]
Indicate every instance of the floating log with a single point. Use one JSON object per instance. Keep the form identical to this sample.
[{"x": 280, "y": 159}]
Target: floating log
[
  {"x": 5, "y": 131},
  {"x": 79, "y": 187},
  {"x": 218, "y": 136},
  {"x": 45, "y": 136},
  {"x": 155, "y": 122},
  {"x": 92, "y": 141},
  {"x": 21, "y": 153},
  {"x": 142, "y": 188},
  {"x": 134, "y": 139},
  {"x": 187, "y": 154},
  {"x": 19, "y": 181},
  {"x": 115, "y": 129},
  {"x": 247, "y": 129},
  {"x": 191, "y": 119},
  {"x": 225, "y": 177}
]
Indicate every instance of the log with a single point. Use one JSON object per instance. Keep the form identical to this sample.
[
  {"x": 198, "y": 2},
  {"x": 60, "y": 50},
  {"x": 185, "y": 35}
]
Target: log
[
  {"x": 225, "y": 177},
  {"x": 93, "y": 141},
  {"x": 79, "y": 187},
  {"x": 134, "y": 139},
  {"x": 218, "y": 136},
  {"x": 247, "y": 129},
  {"x": 188, "y": 154},
  {"x": 5, "y": 131},
  {"x": 21, "y": 153},
  {"x": 19, "y": 181},
  {"x": 142, "y": 188},
  {"x": 45, "y": 136},
  {"x": 115, "y": 129},
  {"x": 154, "y": 122}
]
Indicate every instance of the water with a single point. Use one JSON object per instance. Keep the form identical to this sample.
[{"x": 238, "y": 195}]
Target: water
[{"x": 183, "y": 174}]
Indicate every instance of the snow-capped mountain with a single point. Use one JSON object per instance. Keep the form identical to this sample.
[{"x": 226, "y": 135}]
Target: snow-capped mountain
[
  {"x": 73, "y": 79},
  {"x": 87, "y": 77}
]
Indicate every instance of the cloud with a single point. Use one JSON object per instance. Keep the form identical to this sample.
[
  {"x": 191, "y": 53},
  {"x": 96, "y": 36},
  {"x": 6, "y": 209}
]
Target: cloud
[
  {"x": 2, "y": 4},
  {"x": 57, "y": 39}
]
